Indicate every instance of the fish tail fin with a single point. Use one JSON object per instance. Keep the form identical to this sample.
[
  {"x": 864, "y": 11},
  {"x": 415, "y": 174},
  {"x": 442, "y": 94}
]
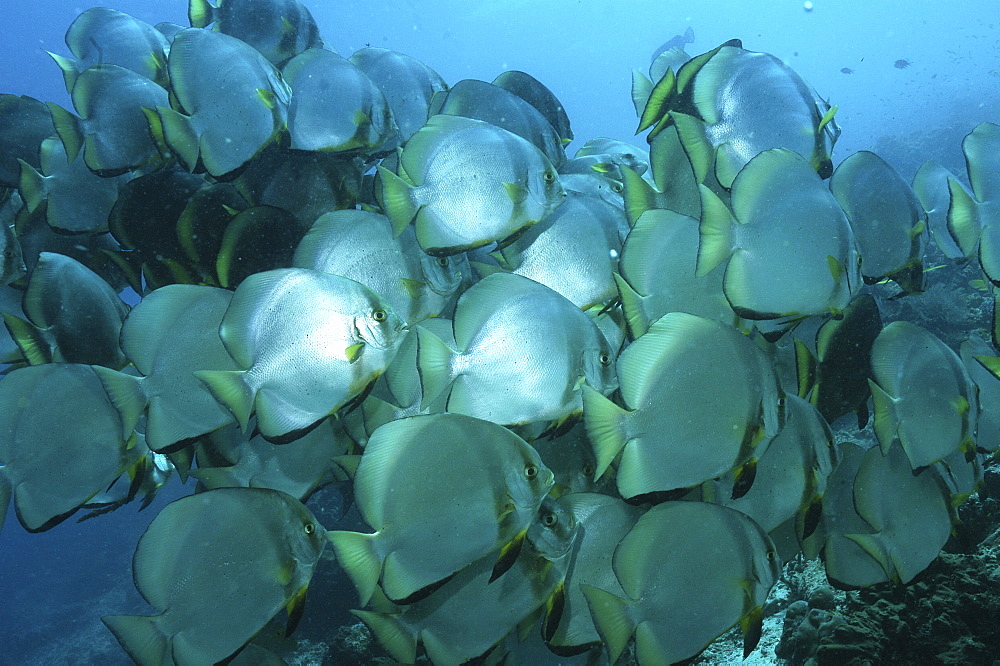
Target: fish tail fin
[
  {"x": 200, "y": 13},
  {"x": 180, "y": 136},
  {"x": 125, "y": 393},
  {"x": 611, "y": 617},
  {"x": 657, "y": 109},
  {"x": 29, "y": 339},
  {"x": 439, "y": 650},
  {"x": 394, "y": 636},
  {"x": 638, "y": 195},
  {"x": 156, "y": 131},
  {"x": 963, "y": 218},
  {"x": 230, "y": 388},
  {"x": 641, "y": 89},
  {"x": 397, "y": 198},
  {"x": 638, "y": 320},
  {"x": 700, "y": 151},
  {"x": 5, "y": 492},
  {"x": 356, "y": 553},
  {"x": 31, "y": 185},
  {"x": 434, "y": 360},
  {"x": 805, "y": 372},
  {"x": 68, "y": 68},
  {"x": 68, "y": 128},
  {"x": 716, "y": 232},
  {"x": 140, "y": 637},
  {"x": 603, "y": 421},
  {"x": 886, "y": 422}
]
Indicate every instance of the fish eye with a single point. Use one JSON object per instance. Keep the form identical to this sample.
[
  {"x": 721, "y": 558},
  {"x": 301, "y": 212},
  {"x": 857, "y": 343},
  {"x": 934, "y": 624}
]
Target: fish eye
[
  {"x": 549, "y": 519},
  {"x": 442, "y": 262},
  {"x": 379, "y": 315},
  {"x": 588, "y": 470},
  {"x": 310, "y": 528},
  {"x": 549, "y": 177},
  {"x": 616, "y": 188},
  {"x": 771, "y": 556},
  {"x": 604, "y": 359},
  {"x": 531, "y": 471}
]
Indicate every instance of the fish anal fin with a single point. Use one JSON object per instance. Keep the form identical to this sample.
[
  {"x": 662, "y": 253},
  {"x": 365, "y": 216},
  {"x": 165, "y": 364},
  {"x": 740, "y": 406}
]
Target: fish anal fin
[
  {"x": 752, "y": 626},
  {"x": 554, "y": 607},
  {"x": 294, "y": 608}
]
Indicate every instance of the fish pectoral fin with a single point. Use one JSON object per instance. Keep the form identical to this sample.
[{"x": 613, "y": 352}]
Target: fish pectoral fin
[
  {"x": 507, "y": 509},
  {"x": 415, "y": 288},
  {"x": 353, "y": 353},
  {"x": 269, "y": 99},
  {"x": 837, "y": 271},
  {"x": 361, "y": 119},
  {"x": 827, "y": 117},
  {"x": 508, "y": 554},
  {"x": 517, "y": 193}
]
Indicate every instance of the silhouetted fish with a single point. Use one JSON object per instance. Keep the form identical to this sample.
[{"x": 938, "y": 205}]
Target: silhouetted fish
[{"x": 677, "y": 40}]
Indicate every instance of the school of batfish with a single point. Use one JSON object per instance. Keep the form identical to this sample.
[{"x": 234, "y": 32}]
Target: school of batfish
[{"x": 579, "y": 401}]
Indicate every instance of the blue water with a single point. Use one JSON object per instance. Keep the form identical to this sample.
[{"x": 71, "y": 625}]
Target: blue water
[{"x": 55, "y": 586}]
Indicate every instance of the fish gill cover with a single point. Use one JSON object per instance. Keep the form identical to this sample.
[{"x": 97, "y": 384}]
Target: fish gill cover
[{"x": 388, "y": 345}]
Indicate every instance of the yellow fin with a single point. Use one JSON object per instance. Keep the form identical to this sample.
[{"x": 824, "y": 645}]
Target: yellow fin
[
  {"x": 752, "y": 625},
  {"x": 517, "y": 193},
  {"x": 268, "y": 98},
  {"x": 827, "y": 117},
  {"x": 415, "y": 288},
  {"x": 354, "y": 352},
  {"x": 508, "y": 554},
  {"x": 295, "y": 607},
  {"x": 356, "y": 554}
]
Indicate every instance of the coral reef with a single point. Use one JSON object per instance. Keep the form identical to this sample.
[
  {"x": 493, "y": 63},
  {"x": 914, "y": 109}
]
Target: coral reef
[{"x": 949, "y": 615}]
